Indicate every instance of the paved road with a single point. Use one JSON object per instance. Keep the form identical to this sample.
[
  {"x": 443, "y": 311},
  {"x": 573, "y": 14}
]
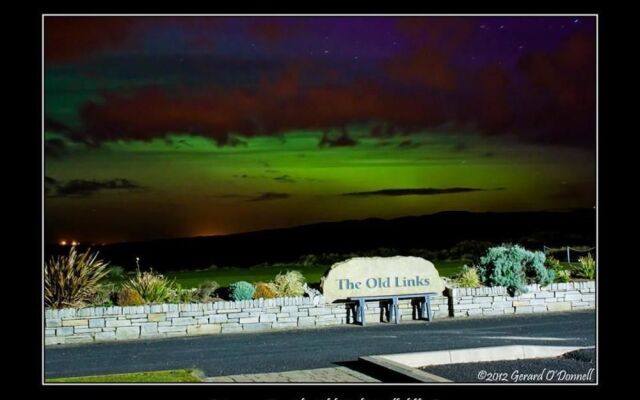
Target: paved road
[{"x": 244, "y": 353}]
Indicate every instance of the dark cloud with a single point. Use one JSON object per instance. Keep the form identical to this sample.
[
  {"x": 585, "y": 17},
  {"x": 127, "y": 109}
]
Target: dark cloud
[
  {"x": 74, "y": 38},
  {"x": 268, "y": 196},
  {"x": 460, "y": 147},
  {"x": 284, "y": 179},
  {"x": 49, "y": 185},
  {"x": 408, "y": 144},
  {"x": 55, "y": 148},
  {"x": 413, "y": 192},
  {"x": 84, "y": 188},
  {"x": 70, "y": 39},
  {"x": 343, "y": 140}
]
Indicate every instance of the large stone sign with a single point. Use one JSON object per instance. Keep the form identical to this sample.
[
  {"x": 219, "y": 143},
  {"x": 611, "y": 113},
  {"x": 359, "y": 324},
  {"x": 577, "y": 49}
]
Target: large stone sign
[{"x": 380, "y": 276}]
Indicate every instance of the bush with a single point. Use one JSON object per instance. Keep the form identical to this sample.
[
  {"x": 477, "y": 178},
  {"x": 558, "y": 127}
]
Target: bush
[
  {"x": 116, "y": 273},
  {"x": 289, "y": 284},
  {"x": 106, "y": 296},
  {"x": 468, "y": 278},
  {"x": 129, "y": 297},
  {"x": 206, "y": 291},
  {"x": 514, "y": 267},
  {"x": 73, "y": 280},
  {"x": 264, "y": 291},
  {"x": 182, "y": 295},
  {"x": 561, "y": 273},
  {"x": 586, "y": 267},
  {"x": 241, "y": 290},
  {"x": 153, "y": 287}
]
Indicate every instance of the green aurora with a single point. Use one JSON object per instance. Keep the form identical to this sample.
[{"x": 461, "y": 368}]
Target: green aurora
[{"x": 191, "y": 187}]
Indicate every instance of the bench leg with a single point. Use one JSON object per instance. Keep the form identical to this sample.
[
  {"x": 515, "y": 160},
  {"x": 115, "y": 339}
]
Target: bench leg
[
  {"x": 428, "y": 304},
  {"x": 396, "y": 309},
  {"x": 361, "y": 306}
]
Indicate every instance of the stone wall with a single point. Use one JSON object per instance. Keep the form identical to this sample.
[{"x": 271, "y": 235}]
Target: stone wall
[
  {"x": 100, "y": 324},
  {"x": 496, "y": 300}
]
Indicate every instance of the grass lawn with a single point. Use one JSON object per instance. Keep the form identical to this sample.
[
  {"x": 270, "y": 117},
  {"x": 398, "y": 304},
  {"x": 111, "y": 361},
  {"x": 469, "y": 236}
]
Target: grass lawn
[
  {"x": 178, "y": 375},
  {"x": 227, "y": 275}
]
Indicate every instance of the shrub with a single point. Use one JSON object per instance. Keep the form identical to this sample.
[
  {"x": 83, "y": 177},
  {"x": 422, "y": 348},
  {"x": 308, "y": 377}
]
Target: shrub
[
  {"x": 289, "y": 284},
  {"x": 513, "y": 267},
  {"x": 182, "y": 295},
  {"x": 206, "y": 290},
  {"x": 264, "y": 291},
  {"x": 468, "y": 278},
  {"x": 129, "y": 297},
  {"x": 106, "y": 296},
  {"x": 153, "y": 287},
  {"x": 561, "y": 273},
  {"x": 116, "y": 273},
  {"x": 241, "y": 290},
  {"x": 586, "y": 267},
  {"x": 73, "y": 280}
]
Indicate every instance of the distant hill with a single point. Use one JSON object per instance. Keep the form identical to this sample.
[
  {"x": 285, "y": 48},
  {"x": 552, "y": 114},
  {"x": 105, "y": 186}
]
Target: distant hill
[{"x": 433, "y": 232}]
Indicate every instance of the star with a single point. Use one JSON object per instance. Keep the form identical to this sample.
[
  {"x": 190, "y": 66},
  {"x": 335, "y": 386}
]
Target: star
[
  {"x": 575, "y": 21},
  {"x": 501, "y": 26},
  {"x": 326, "y": 52}
]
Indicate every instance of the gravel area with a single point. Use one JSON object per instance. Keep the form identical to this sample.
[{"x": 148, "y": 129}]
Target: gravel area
[{"x": 574, "y": 367}]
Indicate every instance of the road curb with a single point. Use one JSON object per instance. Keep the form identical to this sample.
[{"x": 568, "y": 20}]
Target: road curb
[{"x": 408, "y": 364}]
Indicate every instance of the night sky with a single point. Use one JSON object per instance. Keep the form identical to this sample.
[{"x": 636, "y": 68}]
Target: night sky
[{"x": 161, "y": 127}]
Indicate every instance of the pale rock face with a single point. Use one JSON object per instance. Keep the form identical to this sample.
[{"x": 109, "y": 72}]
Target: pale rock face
[{"x": 380, "y": 276}]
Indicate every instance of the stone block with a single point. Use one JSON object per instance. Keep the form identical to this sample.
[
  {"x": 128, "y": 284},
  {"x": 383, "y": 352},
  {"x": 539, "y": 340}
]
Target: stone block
[
  {"x": 256, "y": 327},
  {"x": 118, "y": 323},
  {"x": 183, "y": 321},
  {"x": 156, "y": 317},
  {"x": 53, "y": 323},
  {"x": 322, "y": 311},
  {"x": 483, "y": 299},
  {"x": 78, "y": 339},
  {"x": 172, "y": 329},
  {"x": 66, "y": 331},
  {"x": 217, "y": 318},
  {"x": 148, "y": 328},
  {"x": 523, "y": 309},
  {"x": 267, "y": 318},
  {"x": 249, "y": 320},
  {"x": 75, "y": 322},
  {"x": 284, "y": 325},
  {"x": 231, "y": 327},
  {"x": 208, "y": 329},
  {"x": 127, "y": 332},
  {"x": 52, "y": 340},
  {"x": 77, "y": 330},
  {"x": 559, "y": 306},
  {"x": 96, "y": 323},
  {"x": 306, "y": 321}
]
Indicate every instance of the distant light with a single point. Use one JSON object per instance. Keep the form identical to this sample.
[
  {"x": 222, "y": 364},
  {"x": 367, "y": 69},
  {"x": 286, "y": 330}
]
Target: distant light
[
  {"x": 74, "y": 243},
  {"x": 63, "y": 243}
]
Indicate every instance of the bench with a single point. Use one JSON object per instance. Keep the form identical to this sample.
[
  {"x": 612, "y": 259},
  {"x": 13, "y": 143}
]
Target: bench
[{"x": 424, "y": 308}]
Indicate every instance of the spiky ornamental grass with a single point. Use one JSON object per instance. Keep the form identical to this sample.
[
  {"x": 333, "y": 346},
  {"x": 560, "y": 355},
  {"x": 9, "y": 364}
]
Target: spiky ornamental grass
[
  {"x": 73, "y": 280},
  {"x": 153, "y": 287},
  {"x": 468, "y": 278}
]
